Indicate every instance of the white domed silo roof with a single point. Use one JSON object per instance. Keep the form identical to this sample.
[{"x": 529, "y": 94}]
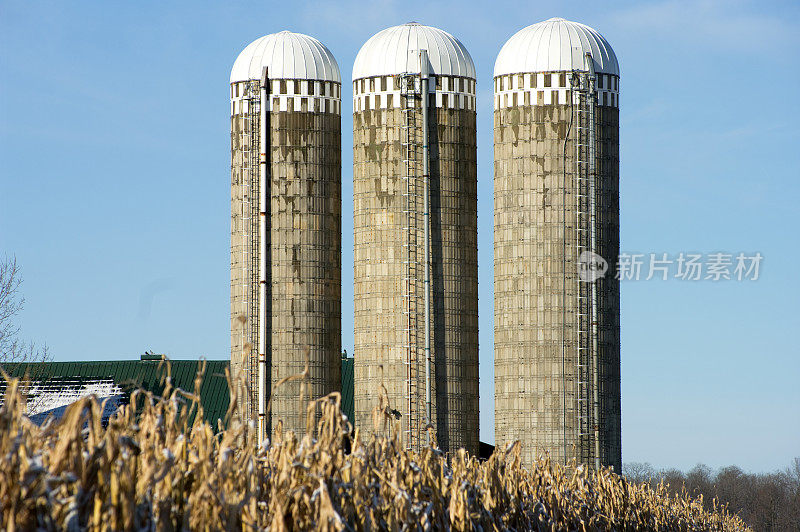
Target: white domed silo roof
[
  {"x": 387, "y": 53},
  {"x": 555, "y": 45},
  {"x": 288, "y": 55}
]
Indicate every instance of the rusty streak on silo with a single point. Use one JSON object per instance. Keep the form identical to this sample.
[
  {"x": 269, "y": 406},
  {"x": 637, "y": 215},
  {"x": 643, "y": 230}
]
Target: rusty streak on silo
[
  {"x": 301, "y": 319},
  {"x": 556, "y": 185},
  {"x": 388, "y": 188}
]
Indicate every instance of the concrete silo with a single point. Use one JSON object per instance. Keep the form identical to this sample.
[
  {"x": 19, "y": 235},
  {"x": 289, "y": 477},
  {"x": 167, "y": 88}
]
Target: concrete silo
[
  {"x": 416, "y": 268},
  {"x": 285, "y": 224},
  {"x": 556, "y": 208}
]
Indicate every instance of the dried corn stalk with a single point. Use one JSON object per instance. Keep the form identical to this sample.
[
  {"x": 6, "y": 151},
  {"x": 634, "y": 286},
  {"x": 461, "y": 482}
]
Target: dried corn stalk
[{"x": 150, "y": 469}]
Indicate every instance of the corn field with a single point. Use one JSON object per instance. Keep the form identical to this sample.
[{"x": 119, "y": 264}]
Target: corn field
[{"x": 150, "y": 468}]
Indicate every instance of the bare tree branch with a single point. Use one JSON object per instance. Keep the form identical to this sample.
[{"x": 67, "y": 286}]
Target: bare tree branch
[
  {"x": 14, "y": 351},
  {"x": 766, "y": 501},
  {"x": 11, "y": 303}
]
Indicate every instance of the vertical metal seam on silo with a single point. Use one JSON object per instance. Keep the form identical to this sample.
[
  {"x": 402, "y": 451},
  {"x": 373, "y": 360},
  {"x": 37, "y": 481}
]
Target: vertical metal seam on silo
[
  {"x": 262, "y": 262},
  {"x": 538, "y": 60}
]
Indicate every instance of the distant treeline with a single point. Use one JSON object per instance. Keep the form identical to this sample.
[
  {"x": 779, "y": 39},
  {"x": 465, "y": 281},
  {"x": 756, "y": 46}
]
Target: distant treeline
[{"x": 765, "y": 501}]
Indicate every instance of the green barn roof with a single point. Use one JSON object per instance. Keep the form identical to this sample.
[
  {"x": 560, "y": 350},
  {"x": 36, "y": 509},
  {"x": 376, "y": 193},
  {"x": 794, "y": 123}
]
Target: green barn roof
[
  {"x": 150, "y": 374},
  {"x": 348, "y": 390},
  {"x": 129, "y": 375}
]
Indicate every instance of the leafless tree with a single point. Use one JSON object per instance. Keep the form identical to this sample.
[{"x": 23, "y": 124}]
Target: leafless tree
[
  {"x": 10, "y": 305},
  {"x": 13, "y": 350},
  {"x": 639, "y": 472},
  {"x": 766, "y": 501}
]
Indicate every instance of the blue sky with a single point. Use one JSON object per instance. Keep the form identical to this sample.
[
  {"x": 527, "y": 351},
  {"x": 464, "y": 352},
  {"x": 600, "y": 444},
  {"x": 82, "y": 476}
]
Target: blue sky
[{"x": 114, "y": 190}]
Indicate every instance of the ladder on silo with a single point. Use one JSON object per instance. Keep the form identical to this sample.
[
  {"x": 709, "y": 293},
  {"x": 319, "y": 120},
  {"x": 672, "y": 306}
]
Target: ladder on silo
[
  {"x": 250, "y": 237},
  {"x": 412, "y": 290},
  {"x": 584, "y": 356}
]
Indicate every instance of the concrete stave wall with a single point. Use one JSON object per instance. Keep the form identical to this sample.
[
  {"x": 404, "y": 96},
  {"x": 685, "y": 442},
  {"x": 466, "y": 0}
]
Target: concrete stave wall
[
  {"x": 304, "y": 266},
  {"x": 535, "y": 386},
  {"x": 378, "y": 269}
]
